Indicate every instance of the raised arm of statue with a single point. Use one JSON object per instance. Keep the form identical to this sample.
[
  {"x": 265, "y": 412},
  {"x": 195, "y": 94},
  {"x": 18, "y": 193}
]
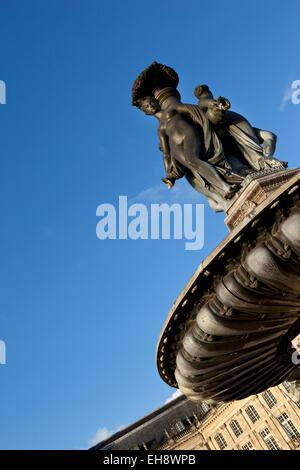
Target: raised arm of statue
[{"x": 215, "y": 108}]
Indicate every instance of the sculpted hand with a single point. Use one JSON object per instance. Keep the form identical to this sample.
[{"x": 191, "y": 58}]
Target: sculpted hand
[
  {"x": 223, "y": 103},
  {"x": 168, "y": 182},
  {"x": 216, "y": 109}
]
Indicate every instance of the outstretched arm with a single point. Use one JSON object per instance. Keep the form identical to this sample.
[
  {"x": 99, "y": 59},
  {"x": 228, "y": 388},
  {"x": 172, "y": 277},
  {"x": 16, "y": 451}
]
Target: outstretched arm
[
  {"x": 220, "y": 103},
  {"x": 214, "y": 109}
]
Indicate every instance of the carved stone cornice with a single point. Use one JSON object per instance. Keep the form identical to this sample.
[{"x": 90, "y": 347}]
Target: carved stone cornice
[{"x": 257, "y": 187}]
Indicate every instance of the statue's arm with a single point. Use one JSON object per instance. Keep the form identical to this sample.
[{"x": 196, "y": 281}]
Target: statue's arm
[
  {"x": 163, "y": 142},
  {"x": 268, "y": 141},
  {"x": 205, "y": 102},
  {"x": 173, "y": 169},
  {"x": 167, "y": 160},
  {"x": 218, "y": 103},
  {"x": 181, "y": 108}
]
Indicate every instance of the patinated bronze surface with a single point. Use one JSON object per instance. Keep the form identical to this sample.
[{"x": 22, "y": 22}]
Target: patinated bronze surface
[
  {"x": 239, "y": 138},
  {"x": 229, "y": 333},
  {"x": 215, "y": 149}
]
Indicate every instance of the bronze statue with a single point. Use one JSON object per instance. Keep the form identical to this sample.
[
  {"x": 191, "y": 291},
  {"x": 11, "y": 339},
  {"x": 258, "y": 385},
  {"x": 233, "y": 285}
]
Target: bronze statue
[
  {"x": 180, "y": 142},
  {"x": 210, "y": 146},
  {"x": 236, "y": 133}
]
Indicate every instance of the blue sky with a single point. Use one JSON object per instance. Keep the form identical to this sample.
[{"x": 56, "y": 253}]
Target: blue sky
[{"x": 81, "y": 317}]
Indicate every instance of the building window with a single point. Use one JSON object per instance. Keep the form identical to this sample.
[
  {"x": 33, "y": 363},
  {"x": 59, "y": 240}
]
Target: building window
[
  {"x": 269, "y": 398},
  {"x": 252, "y": 413},
  {"x": 178, "y": 426},
  {"x": 287, "y": 422},
  {"x": 286, "y": 385},
  {"x": 269, "y": 439},
  {"x": 221, "y": 441},
  {"x": 248, "y": 446},
  {"x": 203, "y": 408},
  {"x": 236, "y": 428}
]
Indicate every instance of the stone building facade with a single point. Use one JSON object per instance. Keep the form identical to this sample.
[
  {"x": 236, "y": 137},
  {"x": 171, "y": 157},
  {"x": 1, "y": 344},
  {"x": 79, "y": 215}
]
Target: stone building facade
[{"x": 268, "y": 421}]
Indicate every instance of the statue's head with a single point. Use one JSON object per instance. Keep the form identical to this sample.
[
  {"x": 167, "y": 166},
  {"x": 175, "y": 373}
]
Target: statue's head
[{"x": 148, "y": 105}]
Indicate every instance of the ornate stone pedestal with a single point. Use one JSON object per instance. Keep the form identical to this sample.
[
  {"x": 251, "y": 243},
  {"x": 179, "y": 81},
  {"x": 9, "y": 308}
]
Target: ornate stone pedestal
[{"x": 257, "y": 187}]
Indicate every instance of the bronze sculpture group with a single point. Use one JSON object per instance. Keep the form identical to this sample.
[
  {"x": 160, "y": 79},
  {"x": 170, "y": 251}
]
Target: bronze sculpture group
[{"x": 215, "y": 149}]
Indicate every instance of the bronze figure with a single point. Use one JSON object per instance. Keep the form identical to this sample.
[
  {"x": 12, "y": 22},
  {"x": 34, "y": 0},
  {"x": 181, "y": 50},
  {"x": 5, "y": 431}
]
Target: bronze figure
[
  {"x": 213, "y": 148},
  {"x": 181, "y": 144},
  {"x": 256, "y": 146}
]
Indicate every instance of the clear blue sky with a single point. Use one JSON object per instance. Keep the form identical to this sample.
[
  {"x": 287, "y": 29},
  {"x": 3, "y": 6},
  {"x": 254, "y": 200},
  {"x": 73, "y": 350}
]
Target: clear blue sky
[{"x": 80, "y": 316}]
